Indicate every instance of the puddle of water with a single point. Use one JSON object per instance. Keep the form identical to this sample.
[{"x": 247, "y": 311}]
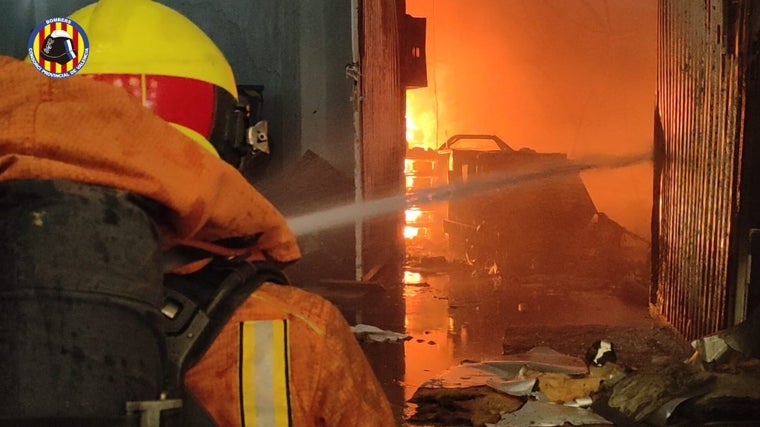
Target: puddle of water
[
  {"x": 444, "y": 335},
  {"x": 429, "y": 352}
]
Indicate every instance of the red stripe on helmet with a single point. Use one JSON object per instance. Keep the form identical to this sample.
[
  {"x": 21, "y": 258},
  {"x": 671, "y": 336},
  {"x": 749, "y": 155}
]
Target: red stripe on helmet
[
  {"x": 186, "y": 102},
  {"x": 75, "y": 45}
]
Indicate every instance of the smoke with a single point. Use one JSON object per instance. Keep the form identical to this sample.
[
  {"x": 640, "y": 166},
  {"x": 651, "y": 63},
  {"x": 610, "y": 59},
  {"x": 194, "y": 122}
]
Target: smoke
[
  {"x": 571, "y": 76},
  {"x": 332, "y": 217}
]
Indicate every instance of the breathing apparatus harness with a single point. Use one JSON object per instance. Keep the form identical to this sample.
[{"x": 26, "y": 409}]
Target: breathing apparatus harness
[{"x": 196, "y": 309}]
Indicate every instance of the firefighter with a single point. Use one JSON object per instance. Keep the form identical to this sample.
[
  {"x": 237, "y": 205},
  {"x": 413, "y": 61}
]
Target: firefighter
[{"x": 283, "y": 356}]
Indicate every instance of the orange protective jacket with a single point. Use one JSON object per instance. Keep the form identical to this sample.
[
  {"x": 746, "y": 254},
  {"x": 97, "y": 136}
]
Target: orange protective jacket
[{"x": 82, "y": 130}]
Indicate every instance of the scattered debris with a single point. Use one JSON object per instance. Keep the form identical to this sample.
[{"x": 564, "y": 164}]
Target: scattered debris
[
  {"x": 543, "y": 387},
  {"x": 563, "y": 388},
  {"x": 534, "y": 413},
  {"x": 545, "y": 359},
  {"x": 732, "y": 344},
  {"x": 718, "y": 385},
  {"x": 633, "y": 376},
  {"x": 601, "y": 352},
  {"x": 493, "y": 388},
  {"x": 641, "y": 393},
  {"x": 635, "y": 347},
  {"x": 475, "y": 406},
  {"x": 580, "y": 402},
  {"x": 504, "y": 377},
  {"x": 367, "y": 333}
]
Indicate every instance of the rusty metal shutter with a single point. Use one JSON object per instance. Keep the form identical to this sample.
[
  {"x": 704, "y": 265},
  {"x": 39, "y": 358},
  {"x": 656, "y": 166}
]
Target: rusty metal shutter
[
  {"x": 383, "y": 145},
  {"x": 697, "y": 146}
]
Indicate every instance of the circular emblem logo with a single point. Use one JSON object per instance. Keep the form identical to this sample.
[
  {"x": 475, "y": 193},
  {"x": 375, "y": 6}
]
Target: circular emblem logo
[{"x": 58, "y": 47}]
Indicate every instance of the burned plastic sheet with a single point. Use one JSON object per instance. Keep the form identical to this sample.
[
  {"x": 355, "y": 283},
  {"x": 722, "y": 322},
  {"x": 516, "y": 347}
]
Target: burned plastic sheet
[
  {"x": 534, "y": 413},
  {"x": 507, "y": 374}
]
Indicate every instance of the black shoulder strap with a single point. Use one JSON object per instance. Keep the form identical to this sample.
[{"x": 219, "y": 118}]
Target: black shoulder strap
[{"x": 197, "y": 307}]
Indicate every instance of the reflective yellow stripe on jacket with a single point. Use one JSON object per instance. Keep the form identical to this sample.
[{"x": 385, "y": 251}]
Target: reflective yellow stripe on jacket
[{"x": 264, "y": 374}]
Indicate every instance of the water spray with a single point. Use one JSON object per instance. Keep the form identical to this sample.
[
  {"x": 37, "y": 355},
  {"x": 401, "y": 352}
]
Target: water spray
[{"x": 347, "y": 214}]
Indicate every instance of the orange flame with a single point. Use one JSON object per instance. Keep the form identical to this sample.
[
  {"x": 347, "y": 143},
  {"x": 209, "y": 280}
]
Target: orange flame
[
  {"x": 420, "y": 132},
  {"x": 420, "y": 119},
  {"x": 411, "y": 232}
]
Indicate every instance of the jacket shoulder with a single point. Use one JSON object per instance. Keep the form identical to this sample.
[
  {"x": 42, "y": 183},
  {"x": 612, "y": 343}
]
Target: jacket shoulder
[{"x": 272, "y": 301}]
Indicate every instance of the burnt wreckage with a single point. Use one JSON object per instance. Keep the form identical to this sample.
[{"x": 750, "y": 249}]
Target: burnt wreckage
[{"x": 540, "y": 217}]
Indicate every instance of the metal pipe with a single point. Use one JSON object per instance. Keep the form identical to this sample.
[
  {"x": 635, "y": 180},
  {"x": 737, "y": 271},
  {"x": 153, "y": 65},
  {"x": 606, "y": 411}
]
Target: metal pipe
[{"x": 358, "y": 157}]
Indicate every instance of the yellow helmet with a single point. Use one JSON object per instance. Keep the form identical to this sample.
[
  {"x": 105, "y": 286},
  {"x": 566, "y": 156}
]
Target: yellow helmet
[{"x": 170, "y": 64}]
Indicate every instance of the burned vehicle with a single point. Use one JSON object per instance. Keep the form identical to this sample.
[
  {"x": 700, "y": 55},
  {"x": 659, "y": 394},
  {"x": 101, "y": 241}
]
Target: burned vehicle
[{"x": 540, "y": 218}]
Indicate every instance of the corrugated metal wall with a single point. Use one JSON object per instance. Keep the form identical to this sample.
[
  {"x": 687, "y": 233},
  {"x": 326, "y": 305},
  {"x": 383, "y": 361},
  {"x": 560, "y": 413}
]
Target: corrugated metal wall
[
  {"x": 698, "y": 146},
  {"x": 382, "y": 128}
]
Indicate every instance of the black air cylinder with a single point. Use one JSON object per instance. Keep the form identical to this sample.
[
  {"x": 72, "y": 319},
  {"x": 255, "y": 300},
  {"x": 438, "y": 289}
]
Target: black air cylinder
[{"x": 80, "y": 297}]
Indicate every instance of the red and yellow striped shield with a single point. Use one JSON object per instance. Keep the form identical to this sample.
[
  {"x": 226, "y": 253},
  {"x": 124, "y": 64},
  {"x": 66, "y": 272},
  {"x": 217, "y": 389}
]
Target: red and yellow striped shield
[{"x": 58, "y": 47}]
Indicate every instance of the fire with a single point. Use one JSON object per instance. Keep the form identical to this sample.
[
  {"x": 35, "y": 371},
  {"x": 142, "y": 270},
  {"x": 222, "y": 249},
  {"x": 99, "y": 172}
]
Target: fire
[
  {"x": 420, "y": 133},
  {"x": 409, "y": 164},
  {"x": 420, "y": 119},
  {"x": 412, "y": 278},
  {"x": 411, "y": 232},
  {"x": 412, "y": 215},
  {"x": 411, "y": 128}
]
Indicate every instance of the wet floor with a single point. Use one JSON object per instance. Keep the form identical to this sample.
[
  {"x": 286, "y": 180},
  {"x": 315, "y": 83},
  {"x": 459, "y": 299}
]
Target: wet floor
[{"x": 454, "y": 313}]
